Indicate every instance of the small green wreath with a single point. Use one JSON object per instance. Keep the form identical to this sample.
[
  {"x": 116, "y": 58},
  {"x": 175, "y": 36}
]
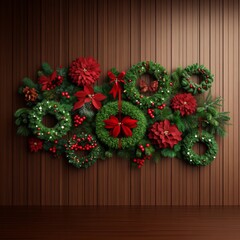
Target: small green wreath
[
  {"x": 56, "y": 109},
  {"x": 164, "y": 84},
  {"x": 192, "y": 87},
  {"x": 84, "y": 143},
  {"x": 191, "y": 156},
  {"x": 127, "y": 109}
]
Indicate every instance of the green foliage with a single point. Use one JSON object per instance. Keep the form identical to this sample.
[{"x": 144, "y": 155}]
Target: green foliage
[
  {"x": 29, "y": 83},
  {"x": 47, "y": 70},
  {"x": 175, "y": 77}
]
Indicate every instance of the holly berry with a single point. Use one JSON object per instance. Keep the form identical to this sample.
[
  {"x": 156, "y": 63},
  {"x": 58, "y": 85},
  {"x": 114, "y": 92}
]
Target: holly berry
[
  {"x": 150, "y": 112},
  {"x": 78, "y": 120},
  {"x": 66, "y": 95},
  {"x": 171, "y": 84}
]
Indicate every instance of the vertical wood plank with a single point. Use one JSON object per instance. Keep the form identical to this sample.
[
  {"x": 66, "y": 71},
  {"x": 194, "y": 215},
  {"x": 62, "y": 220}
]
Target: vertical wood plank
[{"x": 7, "y": 106}]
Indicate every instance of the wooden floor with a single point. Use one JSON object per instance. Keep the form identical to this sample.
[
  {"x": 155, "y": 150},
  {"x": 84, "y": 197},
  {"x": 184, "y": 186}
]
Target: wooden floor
[{"x": 188, "y": 223}]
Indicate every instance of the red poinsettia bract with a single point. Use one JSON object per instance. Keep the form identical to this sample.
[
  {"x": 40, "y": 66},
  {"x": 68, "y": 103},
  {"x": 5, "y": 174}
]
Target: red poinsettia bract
[
  {"x": 35, "y": 144},
  {"x": 185, "y": 103},
  {"x": 84, "y": 71},
  {"x": 50, "y": 82},
  {"x": 116, "y": 80},
  {"x": 164, "y": 134},
  {"x": 124, "y": 126},
  {"x": 88, "y": 95}
]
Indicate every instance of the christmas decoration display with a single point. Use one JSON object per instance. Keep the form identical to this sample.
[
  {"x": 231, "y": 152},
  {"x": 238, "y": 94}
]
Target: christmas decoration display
[{"x": 125, "y": 115}]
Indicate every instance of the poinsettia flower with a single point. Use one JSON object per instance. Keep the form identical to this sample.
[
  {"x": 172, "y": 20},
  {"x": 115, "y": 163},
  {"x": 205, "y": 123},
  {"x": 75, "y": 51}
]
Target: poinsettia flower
[
  {"x": 185, "y": 103},
  {"x": 50, "y": 82},
  {"x": 116, "y": 80},
  {"x": 84, "y": 71},
  {"x": 164, "y": 134},
  {"x": 124, "y": 126},
  {"x": 35, "y": 144},
  {"x": 88, "y": 95}
]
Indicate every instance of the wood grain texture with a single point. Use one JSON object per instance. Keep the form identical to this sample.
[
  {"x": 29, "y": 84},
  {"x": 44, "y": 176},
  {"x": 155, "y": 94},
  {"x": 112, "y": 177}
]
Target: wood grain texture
[{"x": 119, "y": 34}]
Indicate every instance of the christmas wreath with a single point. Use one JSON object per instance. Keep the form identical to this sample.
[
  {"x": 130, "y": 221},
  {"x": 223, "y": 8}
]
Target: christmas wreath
[
  {"x": 192, "y": 87},
  {"x": 133, "y": 125},
  {"x": 117, "y": 117},
  {"x": 56, "y": 109},
  {"x": 162, "y": 85},
  {"x": 83, "y": 143},
  {"x": 191, "y": 156}
]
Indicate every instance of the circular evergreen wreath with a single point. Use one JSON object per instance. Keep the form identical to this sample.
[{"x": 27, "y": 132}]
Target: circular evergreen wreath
[
  {"x": 56, "y": 109},
  {"x": 159, "y": 72},
  {"x": 127, "y": 109},
  {"x": 85, "y": 143},
  {"x": 192, "y": 87},
  {"x": 191, "y": 156}
]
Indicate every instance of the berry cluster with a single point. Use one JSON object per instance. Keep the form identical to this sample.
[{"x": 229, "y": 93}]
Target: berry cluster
[
  {"x": 78, "y": 120},
  {"x": 53, "y": 149},
  {"x": 150, "y": 112},
  {"x": 84, "y": 143},
  {"x": 140, "y": 161},
  {"x": 161, "y": 107},
  {"x": 65, "y": 94}
]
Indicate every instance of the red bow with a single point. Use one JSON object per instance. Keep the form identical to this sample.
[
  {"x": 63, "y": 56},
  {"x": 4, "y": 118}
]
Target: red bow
[
  {"x": 144, "y": 87},
  {"x": 87, "y": 95},
  {"x": 116, "y": 89},
  {"x": 116, "y": 126},
  {"x": 47, "y": 82}
]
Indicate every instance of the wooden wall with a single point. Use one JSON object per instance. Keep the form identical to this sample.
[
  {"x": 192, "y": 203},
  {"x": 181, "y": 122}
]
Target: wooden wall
[{"x": 118, "y": 33}]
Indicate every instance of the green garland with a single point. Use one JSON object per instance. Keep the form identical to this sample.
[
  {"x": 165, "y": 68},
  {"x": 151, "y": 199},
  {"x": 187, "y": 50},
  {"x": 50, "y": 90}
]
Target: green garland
[
  {"x": 127, "y": 109},
  {"x": 192, "y": 87},
  {"x": 164, "y": 84},
  {"x": 49, "y": 107},
  {"x": 84, "y": 143},
  {"x": 191, "y": 156}
]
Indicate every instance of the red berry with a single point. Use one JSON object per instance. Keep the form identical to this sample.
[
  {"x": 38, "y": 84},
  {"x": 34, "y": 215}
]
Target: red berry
[{"x": 147, "y": 145}]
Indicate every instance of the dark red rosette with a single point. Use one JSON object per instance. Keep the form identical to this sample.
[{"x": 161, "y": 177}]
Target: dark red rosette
[
  {"x": 185, "y": 103},
  {"x": 88, "y": 95},
  {"x": 50, "y": 82},
  {"x": 84, "y": 71},
  {"x": 124, "y": 126},
  {"x": 35, "y": 144},
  {"x": 164, "y": 134}
]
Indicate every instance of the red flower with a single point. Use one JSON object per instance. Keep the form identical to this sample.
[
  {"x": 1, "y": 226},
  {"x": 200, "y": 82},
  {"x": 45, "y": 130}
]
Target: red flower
[
  {"x": 123, "y": 126},
  {"x": 87, "y": 95},
  {"x": 84, "y": 71},
  {"x": 35, "y": 144},
  {"x": 185, "y": 103},
  {"x": 164, "y": 134},
  {"x": 50, "y": 82},
  {"x": 117, "y": 80}
]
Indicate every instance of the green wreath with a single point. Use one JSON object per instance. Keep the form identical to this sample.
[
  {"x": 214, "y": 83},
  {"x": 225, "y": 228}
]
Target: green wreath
[
  {"x": 192, "y": 87},
  {"x": 164, "y": 84},
  {"x": 191, "y": 156},
  {"x": 84, "y": 143},
  {"x": 127, "y": 109},
  {"x": 56, "y": 109}
]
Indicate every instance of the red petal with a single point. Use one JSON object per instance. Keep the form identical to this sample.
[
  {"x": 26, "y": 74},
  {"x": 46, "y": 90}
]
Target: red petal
[
  {"x": 132, "y": 123},
  {"x": 114, "y": 90},
  {"x": 53, "y": 75},
  {"x": 78, "y": 104},
  {"x": 96, "y": 104},
  {"x": 111, "y": 75},
  {"x": 43, "y": 79},
  {"x": 99, "y": 97},
  {"x": 80, "y": 94},
  {"x": 111, "y": 122},
  {"x": 88, "y": 90},
  {"x": 127, "y": 131},
  {"x": 116, "y": 131}
]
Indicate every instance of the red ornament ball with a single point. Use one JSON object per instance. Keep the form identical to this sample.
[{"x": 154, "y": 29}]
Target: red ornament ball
[
  {"x": 164, "y": 134},
  {"x": 84, "y": 71},
  {"x": 185, "y": 103}
]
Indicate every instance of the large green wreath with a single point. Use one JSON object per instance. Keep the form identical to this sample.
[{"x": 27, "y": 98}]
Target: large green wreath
[
  {"x": 127, "y": 109},
  {"x": 164, "y": 84},
  {"x": 56, "y": 109},
  {"x": 192, "y": 87},
  {"x": 85, "y": 143},
  {"x": 191, "y": 156}
]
